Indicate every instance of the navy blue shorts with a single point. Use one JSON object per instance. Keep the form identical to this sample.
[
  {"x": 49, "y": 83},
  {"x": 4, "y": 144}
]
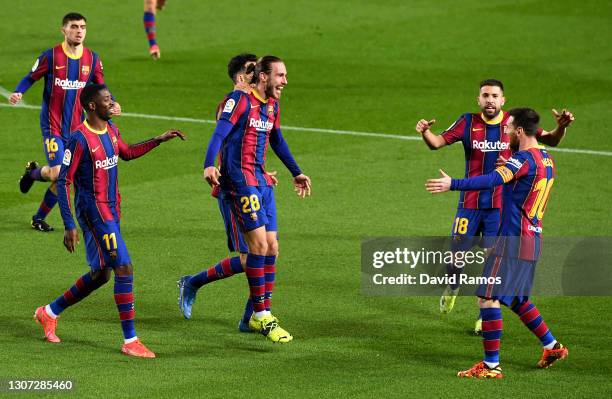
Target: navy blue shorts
[
  {"x": 54, "y": 150},
  {"x": 235, "y": 237},
  {"x": 508, "y": 279},
  {"x": 470, "y": 224},
  {"x": 104, "y": 245},
  {"x": 253, "y": 207}
]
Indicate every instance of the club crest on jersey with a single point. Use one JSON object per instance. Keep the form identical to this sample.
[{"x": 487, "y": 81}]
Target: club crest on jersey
[
  {"x": 229, "y": 105},
  {"x": 85, "y": 69},
  {"x": 260, "y": 125},
  {"x": 108, "y": 163},
  {"x": 270, "y": 110},
  {"x": 67, "y": 157},
  {"x": 488, "y": 146}
]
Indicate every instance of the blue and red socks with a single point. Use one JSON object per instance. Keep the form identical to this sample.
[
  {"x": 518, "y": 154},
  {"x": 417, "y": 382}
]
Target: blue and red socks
[
  {"x": 84, "y": 286},
  {"x": 492, "y": 326},
  {"x": 226, "y": 268},
  {"x": 35, "y": 174},
  {"x": 124, "y": 299},
  {"x": 530, "y": 316},
  {"x": 270, "y": 276},
  {"x": 48, "y": 202},
  {"x": 257, "y": 282},
  {"x": 150, "y": 28}
]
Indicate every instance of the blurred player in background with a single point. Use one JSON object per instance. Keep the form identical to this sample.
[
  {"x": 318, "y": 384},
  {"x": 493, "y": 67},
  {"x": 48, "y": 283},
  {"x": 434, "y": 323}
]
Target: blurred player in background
[
  {"x": 90, "y": 162},
  {"x": 67, "y": 68},
  {"x": 150, "y": 10},
  {"x": 481, "y": 134},
  {"x": 248, "y": 122},
  {"x": 527, "y": 177},
  {"x": 240, "y": 70}
]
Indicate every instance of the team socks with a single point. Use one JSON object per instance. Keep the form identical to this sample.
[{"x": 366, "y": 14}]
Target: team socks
[
  {"x": 35, "y": 174},
  {"x": 248, "y": 311},
  {"x": 226, "y": 268},
  {"x": 150, "y": 28},
  {"x": 48, "y": 202},
  {"x": 81, "y": 288},
  {"x": 270, "y": 275},
  {"x": 124, "y": 298},
  {"x": 492, "y": 325},
  {"x": 530, "y": 316},
  {"x": 257, "y": 282}
]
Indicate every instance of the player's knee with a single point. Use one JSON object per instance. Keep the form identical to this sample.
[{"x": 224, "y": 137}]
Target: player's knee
[
  {"x": 53, "y": 173},
  {"x": 149, "y": 5},
  {"x": 259, "y": 247},
  {"x": 272, "y": 248},
  {"x": 243, "y": 258},
  {"x": 100, "y": 276},
  {"x": 125, "y": 270}
]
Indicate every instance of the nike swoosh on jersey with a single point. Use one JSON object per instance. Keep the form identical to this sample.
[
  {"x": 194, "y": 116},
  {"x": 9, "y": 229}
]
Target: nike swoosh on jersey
[
  {"x": 95, "y": 149},
  {"x": 60, "y": 67},
  {"x": 477, "y": 129}
]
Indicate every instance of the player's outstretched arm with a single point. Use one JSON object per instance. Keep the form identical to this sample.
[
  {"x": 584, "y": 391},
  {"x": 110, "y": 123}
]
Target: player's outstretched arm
[
  {"x": 302, "y": 184},
  {"x": 564, "y": 119},
  {"x": 432, "y": 140},
  {"x": 482, "y": 182},
  {"x": 171, "y": 134},
  {"x": 133, "y": 151}
]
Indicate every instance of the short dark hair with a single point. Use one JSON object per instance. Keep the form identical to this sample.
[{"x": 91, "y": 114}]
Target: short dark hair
[
  {"x": 72, "y": 16},
  {"x": 89, "y": 94},
  {"x": 264, "y": 65},
  {"x": 237, "y": 63},
  {"x": 492, "y": 82},
  {"x": 526, "y": 118}
]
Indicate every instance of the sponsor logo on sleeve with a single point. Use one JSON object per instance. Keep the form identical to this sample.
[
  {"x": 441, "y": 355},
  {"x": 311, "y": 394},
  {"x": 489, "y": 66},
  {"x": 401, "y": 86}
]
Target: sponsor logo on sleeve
[
  {"x": 67, "y": 157},
  {"x": 229, "y": 105},
  {"x": 515, "y": 162},
  {"x": 35, "y": 66}
]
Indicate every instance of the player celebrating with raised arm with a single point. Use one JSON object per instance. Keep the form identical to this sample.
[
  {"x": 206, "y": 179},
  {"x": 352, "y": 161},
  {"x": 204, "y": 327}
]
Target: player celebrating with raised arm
[
  {"x": 240, "y": 70},
  {"x": 527, "y": 178},
  {"x": 67, "y": 68},
  {"x": 478, "y": 211},
  {"x": 90, "y": 162},
  {"x": 247, "y": 124}
]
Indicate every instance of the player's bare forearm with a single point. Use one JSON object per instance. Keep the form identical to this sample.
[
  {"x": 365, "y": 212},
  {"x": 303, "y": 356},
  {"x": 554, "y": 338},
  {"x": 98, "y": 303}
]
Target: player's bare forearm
[
  {"x": 564, "y": 119},
  {"x": 432, "y": 140}
]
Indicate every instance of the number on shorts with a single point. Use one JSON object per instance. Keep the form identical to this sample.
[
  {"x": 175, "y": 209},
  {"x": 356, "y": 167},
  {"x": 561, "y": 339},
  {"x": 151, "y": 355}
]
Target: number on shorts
[
  {"x": 51, "y": 145},
  {"x": 250, "y": 204},
  {"x": 111, "y": 241},
  {"x": 461, "y": 225}
]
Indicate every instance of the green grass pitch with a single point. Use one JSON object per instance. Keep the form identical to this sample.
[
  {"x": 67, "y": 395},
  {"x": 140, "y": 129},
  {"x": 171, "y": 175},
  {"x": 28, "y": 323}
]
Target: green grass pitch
[{"x": 353, "y": 65}]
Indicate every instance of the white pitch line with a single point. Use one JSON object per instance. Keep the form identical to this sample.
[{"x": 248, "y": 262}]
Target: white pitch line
[
  {"x": 6, "y": 94},
  {"x": 318, "y": 130}
]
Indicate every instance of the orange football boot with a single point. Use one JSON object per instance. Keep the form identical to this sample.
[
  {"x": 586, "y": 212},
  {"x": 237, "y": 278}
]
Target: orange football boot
[
  {"x": 481, "y": 371},
  {"x": 550, "y": 356},
  {"x": 48, "y": 323},
  {"x": 137, "y": 349}
]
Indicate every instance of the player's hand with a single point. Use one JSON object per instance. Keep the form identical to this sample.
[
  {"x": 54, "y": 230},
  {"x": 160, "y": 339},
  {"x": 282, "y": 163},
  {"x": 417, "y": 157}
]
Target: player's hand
[
  {"x": 272, "y": 175},
  {"x": 15, "y": 98},
  {"x": 423, "y": 125},
  {"x": 160, "y": 4},
  {"x": 116, "y": 109},
  {"x": 564, "y": 119},
  {"x": 501, "y": 161},
  {"x": 71, "y": 239},
  {"x": 441, "y": 185},
  {"x": 301, "y": 184},
  {"x": 211, "y": 175},
  {"x": 170, "y": 134}
]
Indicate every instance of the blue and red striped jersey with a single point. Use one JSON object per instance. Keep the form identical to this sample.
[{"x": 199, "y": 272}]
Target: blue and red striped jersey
[
  {"x": 529, "y": 175},
  {"x": 65, "y": 76},
  {"x": 244, "y": 150},
  {"x": 90, "y": 162},
  {"x": 483, "y": 141}
]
